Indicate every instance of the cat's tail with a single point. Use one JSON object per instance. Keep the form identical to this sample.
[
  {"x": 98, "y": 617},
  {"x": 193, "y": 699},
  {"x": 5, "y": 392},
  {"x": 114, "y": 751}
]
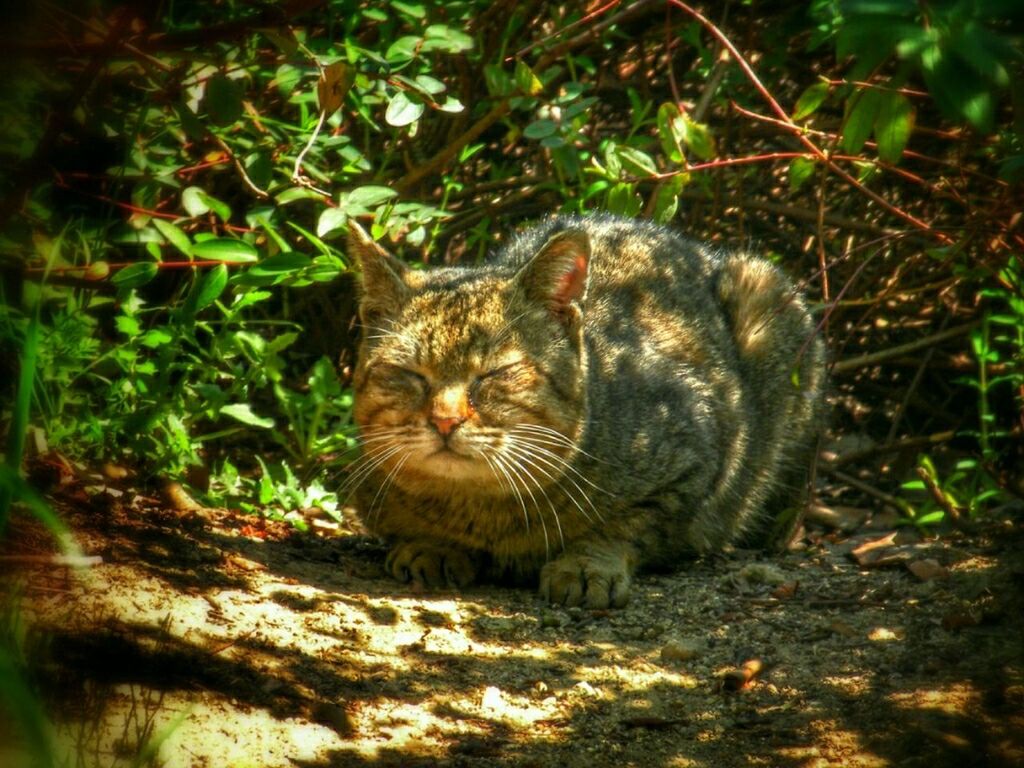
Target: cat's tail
[{"x": 782, "y": 367}]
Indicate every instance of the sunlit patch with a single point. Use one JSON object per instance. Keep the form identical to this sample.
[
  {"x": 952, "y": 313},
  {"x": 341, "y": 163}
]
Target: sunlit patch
[{"x": 883, "y": 635}]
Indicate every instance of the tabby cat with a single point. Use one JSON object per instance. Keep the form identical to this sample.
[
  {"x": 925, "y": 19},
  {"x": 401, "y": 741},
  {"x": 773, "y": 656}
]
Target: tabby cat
[{"x": 605, "y": 394}]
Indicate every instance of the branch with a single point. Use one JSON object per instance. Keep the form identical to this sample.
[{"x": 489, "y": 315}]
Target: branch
[
  {"x": 872, "y": 358},
  {"x": 443, "y": 157},
  {"x": 798, "y": 132}
]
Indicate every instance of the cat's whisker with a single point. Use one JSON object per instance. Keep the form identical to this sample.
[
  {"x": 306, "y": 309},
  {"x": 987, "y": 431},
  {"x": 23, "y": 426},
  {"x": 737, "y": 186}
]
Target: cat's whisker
[
  {"x": 490, "y": 464},
  {"x": 501, "y": 464},
  {"x": 367, "y": 452},
  {"x": 519, "y": 448},
  {"x": 519, "y": 470},
  {"x": 557, "y": 437},
  {"x": 521, "y": 457},
  {"x": 538, "y": 445},
  {"x": 385, "y": 487},
  {"x": 367, "y": 465}
]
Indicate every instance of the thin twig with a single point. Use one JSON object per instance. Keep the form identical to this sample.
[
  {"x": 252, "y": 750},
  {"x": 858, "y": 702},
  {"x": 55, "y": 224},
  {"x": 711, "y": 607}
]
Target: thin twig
[
  {"x": 801, "y": 137},
  {"x": 240, "y": 168},
  {"x": 873, "y": 358},
  {"x": 867, "y": 488},
  {"x": 918, "y": 375},
  {"x": 895, "y": 446},
  {"x": 955, "y": 514},
  {"x": 442, "y": 158},
  {"x": 558, "y": 33},
  {"x": 297, "y": 176}
]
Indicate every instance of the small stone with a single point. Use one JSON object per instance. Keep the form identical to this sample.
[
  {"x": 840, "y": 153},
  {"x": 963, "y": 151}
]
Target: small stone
[
  {"x": 928, "y": 569},
  {"x": 680, "y": 650},
  {"x": 550, "y": 619},
  {"x": 760, "y": 573}
]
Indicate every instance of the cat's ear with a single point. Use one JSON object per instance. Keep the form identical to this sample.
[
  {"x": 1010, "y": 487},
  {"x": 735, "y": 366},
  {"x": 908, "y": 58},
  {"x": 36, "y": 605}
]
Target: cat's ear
[
  {"x": 557, "y": 274},
  {"x": 383, "y": 289}
]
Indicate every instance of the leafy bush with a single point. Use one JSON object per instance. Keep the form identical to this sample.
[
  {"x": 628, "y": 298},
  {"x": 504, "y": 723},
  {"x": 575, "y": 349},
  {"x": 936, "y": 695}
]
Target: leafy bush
[{"x": 177, "y": 223}]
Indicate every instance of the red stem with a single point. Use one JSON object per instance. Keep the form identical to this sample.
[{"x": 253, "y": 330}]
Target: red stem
[{"x": 798, "y": 132}]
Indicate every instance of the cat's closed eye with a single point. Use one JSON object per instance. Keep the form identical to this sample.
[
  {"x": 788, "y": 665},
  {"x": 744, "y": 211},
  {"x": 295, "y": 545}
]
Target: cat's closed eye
[
  {"x": 397, "y": 375},
  {"x": 503, "y": 371}
]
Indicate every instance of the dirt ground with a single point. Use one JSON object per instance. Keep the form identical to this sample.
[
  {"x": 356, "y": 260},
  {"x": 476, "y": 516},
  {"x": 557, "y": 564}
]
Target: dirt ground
[{"x": 208, "y": 638}]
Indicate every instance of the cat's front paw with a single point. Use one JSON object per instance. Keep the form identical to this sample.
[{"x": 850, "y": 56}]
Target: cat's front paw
[
  {"x": 430, "y": 564},
  {"x": 596, "y": 579}
]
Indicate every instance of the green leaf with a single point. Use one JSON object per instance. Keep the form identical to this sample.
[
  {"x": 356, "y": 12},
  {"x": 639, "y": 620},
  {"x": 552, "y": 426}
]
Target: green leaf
[
  {"x": 800, "y": 170},
  {"x": 666, "y": 203},
  {"x": 403, "y": 49},
  {"x": 223, "y": 99},
  {"x": 210, "y": 287},
  {"x": 287, "y": 78},
  {"x": 129, "y": 326},
  {"x": 260, "y": 168},
  {"x": 699, "y": 139},
  {"x": 196, "y": 201},
  {"x": 174, "y": 236},
  {"x": 671, "y": 131},
  {"x": 369, "y": 196},
  {"x": 636, "y": 162},
  {"x": 983, "y": 50},
  {"x": 812, "y": 98},
  {"x": 243, "y": 300},
  {"x": 403, "y": 110},
  {"x": 959, "y": 91},
  {"x": 451, "y": 104},
  {"x": 624, "y": 200},
  {"x": 893, "y": 126},
  {"x": 154, "y": 338},
  {"x": 862, "y": 111},
  {"x": 243, "y": 413},
  {"x": 280, "y": 264},
  {"x": 526, "y": 80},
  {"x": 429, "y": 84},
  {"x": 416, "y": 10},
  {"x": 225, "y": 249},
  {"x": 135, "y": 275},
  {"x": 331, "y": 220},
  {"x": 540, "y": 129},
  {"x": 441, "y": 37}
]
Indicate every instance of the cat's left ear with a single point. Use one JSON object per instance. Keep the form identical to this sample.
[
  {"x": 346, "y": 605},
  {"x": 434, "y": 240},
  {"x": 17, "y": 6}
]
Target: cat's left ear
[
  {"x": 557, "y": 275},
  {"x": 382, "y": 283}
]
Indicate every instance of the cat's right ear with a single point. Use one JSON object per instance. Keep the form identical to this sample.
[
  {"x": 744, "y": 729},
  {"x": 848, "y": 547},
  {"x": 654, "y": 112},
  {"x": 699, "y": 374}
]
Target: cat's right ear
[
  {"x": 557, "y": 274},
  {"x": 383, "y": 288}
]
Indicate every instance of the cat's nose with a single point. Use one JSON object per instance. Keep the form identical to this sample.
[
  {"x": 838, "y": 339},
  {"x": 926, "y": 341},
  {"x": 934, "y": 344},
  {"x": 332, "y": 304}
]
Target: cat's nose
[{"x": 446, "y": 424}]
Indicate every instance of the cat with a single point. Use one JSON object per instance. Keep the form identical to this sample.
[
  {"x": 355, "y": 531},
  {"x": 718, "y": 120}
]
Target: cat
[{"x": 605, "y": 394}]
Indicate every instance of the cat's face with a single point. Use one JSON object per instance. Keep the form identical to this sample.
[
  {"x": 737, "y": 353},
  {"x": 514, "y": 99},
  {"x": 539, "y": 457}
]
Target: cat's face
[{"x": 471, "y": 377}]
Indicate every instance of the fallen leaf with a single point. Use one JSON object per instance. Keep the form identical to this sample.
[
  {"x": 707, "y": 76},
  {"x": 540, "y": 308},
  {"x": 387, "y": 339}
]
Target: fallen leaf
[
  {"x": 960, "y": 619},
  {"x": 740, "y": 678},
  {"x": 785, "y": 591},
  {"x": 928, "y": 569}
]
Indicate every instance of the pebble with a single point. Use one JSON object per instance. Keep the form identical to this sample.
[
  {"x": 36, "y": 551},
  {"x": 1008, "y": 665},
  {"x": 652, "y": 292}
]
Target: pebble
[{"x": 680, "y": 650}]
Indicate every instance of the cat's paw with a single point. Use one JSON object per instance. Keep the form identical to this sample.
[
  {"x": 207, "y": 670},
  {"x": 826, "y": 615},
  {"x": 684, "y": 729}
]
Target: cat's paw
[
  {"x": 594, "y": 579},
  {"x": 430, "y": 564}
]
